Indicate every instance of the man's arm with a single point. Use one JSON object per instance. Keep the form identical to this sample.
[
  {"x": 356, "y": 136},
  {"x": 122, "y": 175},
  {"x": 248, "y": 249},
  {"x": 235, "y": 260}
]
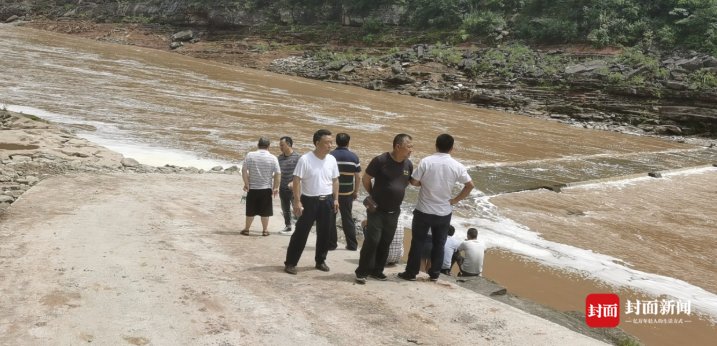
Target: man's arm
[
  {"x": 245, "y": 176},
  {"x": 296, "y": 186},
  {"x": 467, "y": 188},
  {"x": 367, "y": 183},
  {"x": 357, "y": 184},
  {"x": 414, "y": 182},
  {"x": 335, "y": 185},
  {"x": 277, "y": 180}
]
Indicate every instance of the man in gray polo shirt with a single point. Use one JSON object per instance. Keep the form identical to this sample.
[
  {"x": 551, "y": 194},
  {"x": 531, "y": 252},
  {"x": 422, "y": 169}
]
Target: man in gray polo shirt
[
  {"x": 287, "y": 161},
  {"x": 261, "y": 174},
  {"x": 436, "y": 175}
]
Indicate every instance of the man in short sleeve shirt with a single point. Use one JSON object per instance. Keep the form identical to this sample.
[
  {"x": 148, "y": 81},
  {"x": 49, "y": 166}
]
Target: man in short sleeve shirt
[
  {"x": 261, "y": 174},
  {"x": 287, "y": 161},
  {"x": 436, "y": 175},
  {"x": 390, "y": 172},
  {"x": 349, "y": 182},
  {"x": 316, "y": 191}
]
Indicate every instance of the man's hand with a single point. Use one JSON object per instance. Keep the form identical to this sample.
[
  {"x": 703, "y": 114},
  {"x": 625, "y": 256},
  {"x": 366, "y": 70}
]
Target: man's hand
[
  {"x": 298, "y": 208},
  {"x": 246, "y": 188},
  {"x": 336, "y": 206},
  {"x": 355, "y": 195},
  {"x": 275, "y": 191}
]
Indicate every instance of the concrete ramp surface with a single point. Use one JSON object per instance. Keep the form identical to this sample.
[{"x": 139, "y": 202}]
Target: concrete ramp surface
[{"x": 158, "y": 259}]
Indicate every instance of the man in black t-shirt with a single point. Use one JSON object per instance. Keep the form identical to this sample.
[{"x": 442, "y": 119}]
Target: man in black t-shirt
[{"x": 390, "y": 173}]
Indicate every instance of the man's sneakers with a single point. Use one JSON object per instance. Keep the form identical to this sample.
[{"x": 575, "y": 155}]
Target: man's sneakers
[
  {"x": 406, "y": 276},
  {"x": 290, "y": 269},
  {"x": 322, "y": 266},
  {"x": 379, "y": 276},
  {"x": 361, "y": 280},
  {"x": 286, "y": 231}
]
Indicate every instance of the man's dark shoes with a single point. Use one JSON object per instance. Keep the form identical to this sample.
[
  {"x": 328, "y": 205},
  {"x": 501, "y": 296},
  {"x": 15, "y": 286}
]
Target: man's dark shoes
[
  {"x": 361, "y": 280},
  {"x": 290, "y": 269},
  {"x": 434, "y": 278},
  {"x": 351, "y": 248},
  {"x": 322, "y": 266},
  {"x": 379, "y": 276},
  {"x": 406, "y": 276}
]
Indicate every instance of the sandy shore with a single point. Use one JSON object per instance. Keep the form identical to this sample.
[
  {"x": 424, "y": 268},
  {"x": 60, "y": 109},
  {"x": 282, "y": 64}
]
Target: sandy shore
[{"x": 157, "y": 259}]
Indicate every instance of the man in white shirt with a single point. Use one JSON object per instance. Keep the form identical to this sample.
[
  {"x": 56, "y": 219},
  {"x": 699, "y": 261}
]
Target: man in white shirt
[
  {"x": 449, "y": 251},
  {"x": 261, "y": 174},
  {"x": 316, "y": 192},
  {"x": 471, "y": 262},
  {"x": 436, "y": 175}
]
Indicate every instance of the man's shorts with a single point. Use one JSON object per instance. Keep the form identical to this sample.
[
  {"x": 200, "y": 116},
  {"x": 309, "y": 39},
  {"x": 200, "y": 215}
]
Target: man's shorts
[{"x": 258, "y": 202}]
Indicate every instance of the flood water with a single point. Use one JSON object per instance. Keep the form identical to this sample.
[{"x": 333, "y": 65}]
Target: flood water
[{"x": 160, "y": 107}]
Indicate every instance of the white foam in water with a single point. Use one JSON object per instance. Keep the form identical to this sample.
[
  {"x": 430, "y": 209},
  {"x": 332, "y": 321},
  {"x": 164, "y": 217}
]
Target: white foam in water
[
  {"x": 144, "y": 154},
  {"x": 631, "y": 181},
  {"x": 155, "y": 156},
  {"x": 501, "y": 232}
]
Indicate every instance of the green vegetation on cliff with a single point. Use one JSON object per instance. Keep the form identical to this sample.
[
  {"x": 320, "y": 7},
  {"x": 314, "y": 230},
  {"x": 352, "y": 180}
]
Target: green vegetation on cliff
[{"x": 665, "y": 24}]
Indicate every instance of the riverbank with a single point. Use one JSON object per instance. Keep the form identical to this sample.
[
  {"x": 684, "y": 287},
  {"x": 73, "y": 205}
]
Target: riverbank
[
  {"x": 122, "y": 235},
  {"x": 32, "y": 149},
  {"x": 523, "y": 279}
]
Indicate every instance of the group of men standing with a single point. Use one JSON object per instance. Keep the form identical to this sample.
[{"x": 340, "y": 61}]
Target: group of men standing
[{"x": 322, "y": 183}]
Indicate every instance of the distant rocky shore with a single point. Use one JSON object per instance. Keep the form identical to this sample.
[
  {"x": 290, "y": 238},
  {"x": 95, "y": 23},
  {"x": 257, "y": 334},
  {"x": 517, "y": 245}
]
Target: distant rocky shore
[
  {"x": 591, "y": 91},
  {"x": 32, "y": 150}
]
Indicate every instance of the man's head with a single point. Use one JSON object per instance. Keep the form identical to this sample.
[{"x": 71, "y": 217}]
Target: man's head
[
  {"x": 402, "y": 145},
  {"x": 451, "y": 230},
  {"x": 342, "y": 139},
  {"x": 472, "y": 233},
  {"x": 263, "y": 143},
  {"x": 285, "y": 144},
  {"x": 323, "y": 141},
  {"x": 444, "y": 143}
]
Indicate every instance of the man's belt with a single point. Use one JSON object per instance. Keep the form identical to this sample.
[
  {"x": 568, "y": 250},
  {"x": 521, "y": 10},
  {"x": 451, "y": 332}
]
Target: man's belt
[{"x": 320, "y": 198}]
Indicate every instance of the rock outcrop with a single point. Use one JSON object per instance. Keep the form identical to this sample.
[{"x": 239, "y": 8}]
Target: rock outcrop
[
  {"x": 32, "y": 150},
  {"x": 591, "y": 92}
]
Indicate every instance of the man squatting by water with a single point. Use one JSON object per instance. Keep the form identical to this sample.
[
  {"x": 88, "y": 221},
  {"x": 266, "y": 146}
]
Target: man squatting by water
[
  {"x": 473, "y": 250},
  {"x": 349, "y": 182},
  {"x": 390, "y": 173},
  {"x": 435, "y": 175},
  {"x": 287, "y": 162},
  {"x": 316, "y": 190},
  {"x": 261, "y": 175}
]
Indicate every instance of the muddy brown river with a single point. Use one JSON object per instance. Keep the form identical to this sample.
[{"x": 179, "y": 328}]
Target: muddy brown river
[{"x": 165, "y": 108}]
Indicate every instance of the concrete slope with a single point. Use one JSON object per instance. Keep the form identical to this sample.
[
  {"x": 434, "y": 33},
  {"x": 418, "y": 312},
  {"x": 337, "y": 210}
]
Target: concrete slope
[{"x": 157, "y": 259}]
